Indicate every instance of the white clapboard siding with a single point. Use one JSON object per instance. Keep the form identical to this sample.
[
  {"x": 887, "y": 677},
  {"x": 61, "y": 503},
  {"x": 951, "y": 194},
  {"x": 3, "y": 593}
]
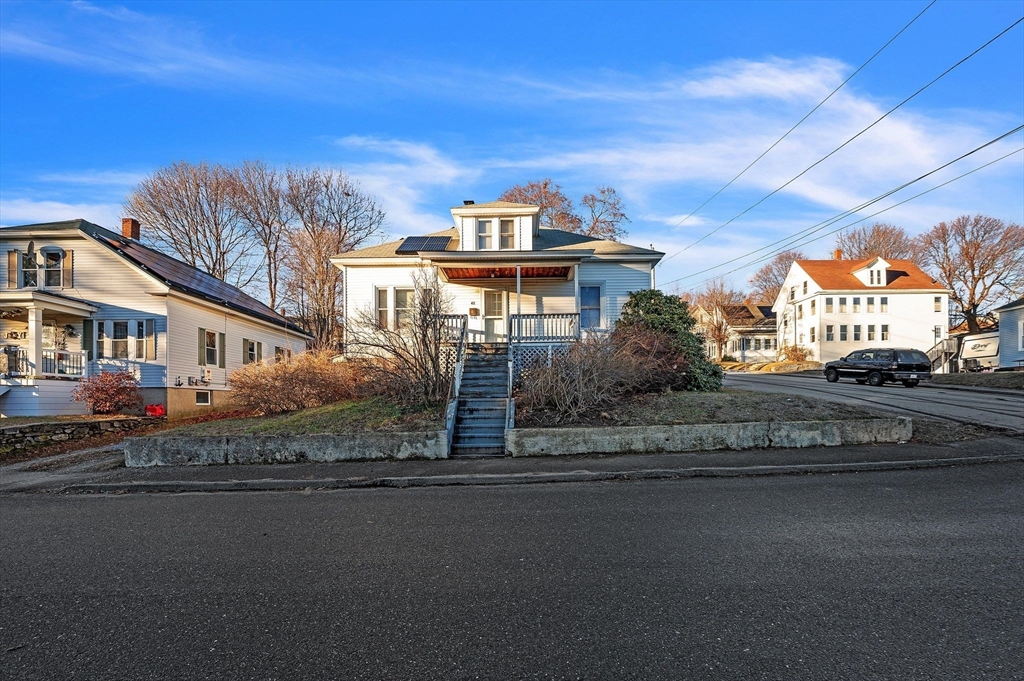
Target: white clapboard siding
[
  {"x": 618, "y": 280},
  {"x": 186, "y": 318},
  {"x": 41, "y": 398}
]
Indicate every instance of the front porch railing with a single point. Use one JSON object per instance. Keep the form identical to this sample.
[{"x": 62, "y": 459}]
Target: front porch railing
[
  {"x": 458, "y": 327},
  {"x": 55, "y": 363},
  {"x": 544, "y": 328}
]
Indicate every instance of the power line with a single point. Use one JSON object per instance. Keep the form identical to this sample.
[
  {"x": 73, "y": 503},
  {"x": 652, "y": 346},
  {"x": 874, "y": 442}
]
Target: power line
[
  {"x": 801, "y": 234},
  {"x": 797, "y": 124},
  {"x": 822, "y": 159},
  {"x": 867, "y": 217}
]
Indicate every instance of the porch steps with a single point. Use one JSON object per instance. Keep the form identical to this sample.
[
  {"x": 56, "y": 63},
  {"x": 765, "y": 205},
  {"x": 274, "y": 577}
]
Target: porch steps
[{"x": 483, "y": 398}]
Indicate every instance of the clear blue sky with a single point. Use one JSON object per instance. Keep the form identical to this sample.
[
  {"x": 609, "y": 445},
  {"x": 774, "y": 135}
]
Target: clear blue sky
[{"x": 429, "y": 104}]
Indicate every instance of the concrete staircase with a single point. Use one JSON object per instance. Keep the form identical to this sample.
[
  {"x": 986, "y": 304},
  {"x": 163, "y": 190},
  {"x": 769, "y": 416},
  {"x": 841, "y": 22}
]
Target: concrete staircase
[{"x": 483, "y": 397}]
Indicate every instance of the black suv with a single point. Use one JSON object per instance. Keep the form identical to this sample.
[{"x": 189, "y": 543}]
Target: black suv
[{"x": 881, "y": 365}]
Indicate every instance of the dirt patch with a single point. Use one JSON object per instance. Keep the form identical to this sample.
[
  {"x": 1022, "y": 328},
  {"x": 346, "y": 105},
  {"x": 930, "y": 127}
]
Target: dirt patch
[
  {"x": 935, "y": 432},
  {"x": 1012, "y": 380}
]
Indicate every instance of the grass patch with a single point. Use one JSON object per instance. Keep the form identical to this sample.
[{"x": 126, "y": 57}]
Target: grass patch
[
  {"x": 352, "y": 416},
  {"x": 688, "y": 408},
  {"x": 1013, "y": 380}
]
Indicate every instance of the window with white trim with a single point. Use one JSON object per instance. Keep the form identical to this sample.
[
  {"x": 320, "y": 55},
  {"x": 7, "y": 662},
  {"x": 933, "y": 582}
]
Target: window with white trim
[
  {"x": 52, "y": 269},
  {"x": 842, "y": 305},
  {"x": 1020, "y": 335},
  {"x": 885, "y": 332},
  {"x": 252, "y": 351},
  {"x": 800, "y": 311},
  {"x": 203, "y": 398},
  {"x": 382, "y": 308},
  {"x": 590, "y": 307},
  {"x": 938, "y": 303},
  {"x": 805, "y": 288},
  {"x": 282, "y": 354},
  {"x": 871, "y": 332},
  {"x": 828, "y": 305},
  {"x": 883, "y": 304},
  {"x": 812, "y": 307},
  {"x": 856, "y": 304},
  {"x": 507, "y": 234},
  {"x": 856, "y": 332},
  {"x": 812, "y": 335},
  {"x": 830, "y": 333},
  {"x": 483, "y": 235},
  {"x": 871, "y": 303},
  {"x": 211, "y": 348},
  {"x": 404, "y": 299},
  {"x": 29, "y": 270},
  {"x": 842, "y": 332}
]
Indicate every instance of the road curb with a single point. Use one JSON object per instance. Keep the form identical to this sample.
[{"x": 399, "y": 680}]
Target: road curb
[
  {"x": 924, "y": 384},
  {"x": 323, "y": 484}
]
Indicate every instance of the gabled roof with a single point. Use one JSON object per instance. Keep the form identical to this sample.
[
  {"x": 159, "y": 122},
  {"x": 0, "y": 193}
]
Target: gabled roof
[
  {"x": 1010, "y": 306},
  {"x": 837, "y": 275},
  {"x": 749, "y": 315},
  {"x": 174, "y": 273},
  {"x": 548, "y": 240}
]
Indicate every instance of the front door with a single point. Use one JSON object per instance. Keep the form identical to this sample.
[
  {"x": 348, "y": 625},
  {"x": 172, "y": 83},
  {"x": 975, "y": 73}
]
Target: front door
[{"x": 494, "y": 316}]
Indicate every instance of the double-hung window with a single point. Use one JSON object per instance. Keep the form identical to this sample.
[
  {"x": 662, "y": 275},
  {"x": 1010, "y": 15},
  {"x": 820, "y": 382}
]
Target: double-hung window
[
  {"x": 119, "y": 341},
  {"x": 282, "y": 354},
  {"x": 812, "y": 334},
  {"x": 871, "y": 332},
  {"x": 856, "y": 332},
  {"x": 830, "y": 333},
  {"x": 404, "y": 306},
  {"x": 842, "y": 332},
  {"x": 145, "y": 340},
  {"x": 856, "y": 304},
  {"x": 938, "y": 303},
  {"x": 871, "y": 303},
  {"x": 792, "y": 292},
  {"x": 842, "y": 305},
  {"x": 805, "y": 288},
  {"x": 52, "y": 269},
  {"x": 252, "y": 351},
  {"x": 211, "y": 348},
  {"x": 828, "y": 305},
  {"x": 507, "y": 236},
  {"x": 29, "y": 270},
  {"x": 483, "y": 235},
  {"x": 800, "y": 311},
  {"x": 885, "y": 332},
  {"x": 813, "y": 306},
  {"x": 590, "y": 307},
  {"x": 382, "y": 308},
  {"x": 883, "y": 304}
]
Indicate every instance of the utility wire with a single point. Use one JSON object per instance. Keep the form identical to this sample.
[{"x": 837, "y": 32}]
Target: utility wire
[
  {"x": 791, "y": 239},
  {"x": 867, "y": 217},
  {"x": 831, "y": 153},
  {"x": 797, "y": 124}
]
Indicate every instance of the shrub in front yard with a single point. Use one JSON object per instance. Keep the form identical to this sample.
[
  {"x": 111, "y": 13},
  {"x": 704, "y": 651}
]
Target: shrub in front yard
[
  {"x": 655, "y": 311},
  {"x": 311, "y": 379},
  {"x": 794, "y": 353},
  {"x": 109, "y": 392}
]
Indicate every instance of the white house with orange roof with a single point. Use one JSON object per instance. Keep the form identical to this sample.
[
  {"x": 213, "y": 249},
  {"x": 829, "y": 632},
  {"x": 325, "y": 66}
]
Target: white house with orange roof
[{"x": 833, "y": 307}]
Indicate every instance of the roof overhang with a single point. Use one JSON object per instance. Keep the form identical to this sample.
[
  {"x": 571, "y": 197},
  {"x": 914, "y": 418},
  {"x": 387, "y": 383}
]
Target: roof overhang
[
  {"x": 46, "y": 301},
  {"x": 486, "y": 211},
  {"x": 505, "y": 257}
]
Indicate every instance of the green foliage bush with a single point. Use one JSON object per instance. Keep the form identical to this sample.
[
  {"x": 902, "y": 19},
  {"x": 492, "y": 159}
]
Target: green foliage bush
[{"x": 655, "y": 311}]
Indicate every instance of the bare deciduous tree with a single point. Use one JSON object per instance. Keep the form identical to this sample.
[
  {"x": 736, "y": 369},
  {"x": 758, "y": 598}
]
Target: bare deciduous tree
[
  {"x": 880, "y": 239},
  {"x": 767, "y": 281},
  {"x": 412, "y": 355},
  {"x": 980, "y": 259},
  {"x": 557, "y": 211},
  {"x": 189, "y": 212},
  {"x": 715, "y": 298},
  {"x": 332, "y": 215},
  {"x": 606, "y": 214},
  {"x": 258, "y": 195}
]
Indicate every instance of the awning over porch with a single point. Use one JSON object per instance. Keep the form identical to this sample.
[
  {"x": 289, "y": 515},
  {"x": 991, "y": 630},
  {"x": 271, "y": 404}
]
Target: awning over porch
[
  {"x": 505, "y": 265},
  {"x": 12, "y": 302}
]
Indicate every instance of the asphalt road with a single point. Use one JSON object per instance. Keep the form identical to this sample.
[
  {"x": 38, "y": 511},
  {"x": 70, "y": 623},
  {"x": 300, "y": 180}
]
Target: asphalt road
[
  {"x": 908, "y": 575},
  {"x": 1002, "y": 410}
]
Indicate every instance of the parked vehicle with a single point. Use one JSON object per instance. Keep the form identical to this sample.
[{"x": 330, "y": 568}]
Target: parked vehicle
[
  {"x": 881, "y": 365},
  {"x": 979, "y": 352}
]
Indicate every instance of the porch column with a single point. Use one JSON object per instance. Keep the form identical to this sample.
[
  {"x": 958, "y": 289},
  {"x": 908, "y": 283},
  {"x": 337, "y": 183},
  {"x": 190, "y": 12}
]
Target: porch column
[
  {"x": 519, "y": 289},
  {"x": 576, "y": 287},
  {"x": 35, "y": 340}
]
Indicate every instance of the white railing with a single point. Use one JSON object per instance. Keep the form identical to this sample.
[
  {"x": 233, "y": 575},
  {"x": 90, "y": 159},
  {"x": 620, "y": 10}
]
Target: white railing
[
  {"x": 544, "y": 328},
  {"x": 941, "y": 355},
  {"x": 55, "y": 363},
  {"x": 455, "y": 327}
]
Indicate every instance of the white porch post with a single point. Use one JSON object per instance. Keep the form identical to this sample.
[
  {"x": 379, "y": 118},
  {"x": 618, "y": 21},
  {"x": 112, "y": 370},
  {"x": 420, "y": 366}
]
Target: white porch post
[
  {"x": 35, "y": 340},
  {"x": 576, "y": 287},
  {"x": 519, "y": 289}
]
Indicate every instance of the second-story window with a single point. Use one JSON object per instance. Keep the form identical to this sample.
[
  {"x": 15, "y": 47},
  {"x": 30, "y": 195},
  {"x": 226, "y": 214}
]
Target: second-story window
[
  {"x": 508, "y": 234},
  {"x": 805, "y": 288},
  {"x": 842, "y": 304},
  {"x": 813, "y": 305},
  {"x": 792, "y": 292},
  {"x": 883, "y": 304},
  {"x": 871, "y": 303},
  {"x": 483, "y": 235},
  {"x": 938, "y": 303},
  {"x": 856, "y": 304},
  {"x": 29, "y": 270},
  {"x": 828, "y": 305},
  {"x": 52, "y": 267}
]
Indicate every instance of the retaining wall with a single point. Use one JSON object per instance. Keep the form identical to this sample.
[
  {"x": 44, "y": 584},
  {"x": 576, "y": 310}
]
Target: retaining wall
[
  {"x": 39, "y": 434},
  {"x": 705, "y": 437},
  {"x": 251, "y": 449}
]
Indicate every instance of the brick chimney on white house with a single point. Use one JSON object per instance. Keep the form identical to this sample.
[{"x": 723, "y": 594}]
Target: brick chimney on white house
[
  {"x": 838, "y": 255},
  {"x": 130, "y": 228}
]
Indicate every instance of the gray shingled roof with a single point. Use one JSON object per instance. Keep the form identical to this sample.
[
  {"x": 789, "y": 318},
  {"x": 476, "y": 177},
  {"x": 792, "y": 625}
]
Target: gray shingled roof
[
  {"x": 548, "y": 240},
  {"x": 174, "y": 273}
]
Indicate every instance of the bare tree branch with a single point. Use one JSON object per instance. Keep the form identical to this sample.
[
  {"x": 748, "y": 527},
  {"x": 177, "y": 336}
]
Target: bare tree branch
[
  {"x": 767, "y": 281},
  {"x": 880, "y": 239}
]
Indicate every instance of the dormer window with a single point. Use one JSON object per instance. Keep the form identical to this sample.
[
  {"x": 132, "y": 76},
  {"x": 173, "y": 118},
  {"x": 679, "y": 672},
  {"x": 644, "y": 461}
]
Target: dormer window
[
  {"x": 876, "y": 277},
  {"x": 483, "y": 235}
]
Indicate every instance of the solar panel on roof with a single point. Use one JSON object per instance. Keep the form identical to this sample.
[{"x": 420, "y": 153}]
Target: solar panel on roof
[{"x": 415, "y": 244}]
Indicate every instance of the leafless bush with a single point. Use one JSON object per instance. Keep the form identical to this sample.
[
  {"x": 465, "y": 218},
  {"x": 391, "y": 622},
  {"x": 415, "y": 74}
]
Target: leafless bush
[
  {"x": 409, "y": 355},
  {"x": 794, "y": 353},
  {"x": 311, "y": 379},
  {"x": 601, "y": 370}
]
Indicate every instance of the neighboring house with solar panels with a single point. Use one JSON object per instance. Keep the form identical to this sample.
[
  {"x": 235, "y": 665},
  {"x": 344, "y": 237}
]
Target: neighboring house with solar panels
[
  {"x": 78, "y": 299},
  {"x": 500, "y": 267}
]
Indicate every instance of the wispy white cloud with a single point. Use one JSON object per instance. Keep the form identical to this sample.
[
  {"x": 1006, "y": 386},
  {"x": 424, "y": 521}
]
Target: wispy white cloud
[
  {"x": 772, "y": 78},
  {"x": 107, "y": 178},
  {"x": 22, "y": 211}
]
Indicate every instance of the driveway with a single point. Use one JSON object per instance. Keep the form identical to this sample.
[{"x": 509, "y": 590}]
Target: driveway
[{"x": 1001, "y": 409}]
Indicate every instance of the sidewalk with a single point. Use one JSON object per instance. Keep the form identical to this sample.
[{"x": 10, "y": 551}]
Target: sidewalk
[{"x": 99, "y": 475}]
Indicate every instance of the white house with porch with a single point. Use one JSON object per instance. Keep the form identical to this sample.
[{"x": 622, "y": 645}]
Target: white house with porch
[
  {"x": 78, "y": 299},
  {"x": 520, "y": 289}
]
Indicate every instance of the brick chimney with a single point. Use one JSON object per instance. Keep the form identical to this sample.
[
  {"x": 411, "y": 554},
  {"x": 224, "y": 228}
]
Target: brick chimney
[
  {"x": 838, "y": 255},
  {"x": 130, "y": 228}
]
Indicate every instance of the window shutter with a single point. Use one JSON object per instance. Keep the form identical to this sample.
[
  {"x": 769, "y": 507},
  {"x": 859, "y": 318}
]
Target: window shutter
[
  {"x": 245, "y": 351},
  {"x": 202, "y": 347},
  {"x": 150, "y": 339},
  {"x": 259, "y": 352},
  {"x": 221, "y": 350},
  {"x": 12, "y": 269},
  {"x": 87, "y": 338},
  {"x": 68, "y": 280}
]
